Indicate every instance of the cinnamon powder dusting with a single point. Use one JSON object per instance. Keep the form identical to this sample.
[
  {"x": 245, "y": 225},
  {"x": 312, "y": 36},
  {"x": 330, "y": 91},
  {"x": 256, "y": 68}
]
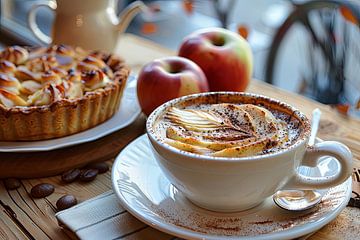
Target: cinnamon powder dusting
[{"x": 264, "y": 219}]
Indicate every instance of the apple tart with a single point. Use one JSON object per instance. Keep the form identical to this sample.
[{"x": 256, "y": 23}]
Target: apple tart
[{"x": 57, "y": 91}]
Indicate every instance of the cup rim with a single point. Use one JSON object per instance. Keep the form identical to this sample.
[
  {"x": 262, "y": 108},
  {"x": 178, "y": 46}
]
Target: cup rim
[{"x": 159, "y": 110}]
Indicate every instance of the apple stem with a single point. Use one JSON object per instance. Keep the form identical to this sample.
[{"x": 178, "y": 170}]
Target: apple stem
[{"x": 218, "y": 41}]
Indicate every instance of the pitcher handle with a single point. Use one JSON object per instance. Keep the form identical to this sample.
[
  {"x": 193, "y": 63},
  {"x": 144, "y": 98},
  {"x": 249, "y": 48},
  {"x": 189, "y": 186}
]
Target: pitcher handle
[
  {"x": 327, "y": 148},
  {"x": 32, "y": 20}
]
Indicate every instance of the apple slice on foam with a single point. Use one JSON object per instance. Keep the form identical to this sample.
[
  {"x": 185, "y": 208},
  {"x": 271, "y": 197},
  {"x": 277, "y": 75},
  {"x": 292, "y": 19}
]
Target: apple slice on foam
[
  {"x": 177, "y": 134},
  {"x": 253, "y": 129}
]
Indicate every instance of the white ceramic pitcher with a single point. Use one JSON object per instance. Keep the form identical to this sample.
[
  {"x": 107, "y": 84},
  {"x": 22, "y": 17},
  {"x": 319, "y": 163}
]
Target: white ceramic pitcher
[{"x": 91, "y": 24}]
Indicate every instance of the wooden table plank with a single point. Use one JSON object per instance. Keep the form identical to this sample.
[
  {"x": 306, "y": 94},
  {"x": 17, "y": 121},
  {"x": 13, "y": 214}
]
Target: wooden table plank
[
  {"x": 9, "y": 230},
  {"x": 38, "y": 215}
]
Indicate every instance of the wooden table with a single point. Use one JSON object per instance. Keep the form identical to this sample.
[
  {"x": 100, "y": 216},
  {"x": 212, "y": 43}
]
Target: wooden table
[{"x": 37, "y": 216}]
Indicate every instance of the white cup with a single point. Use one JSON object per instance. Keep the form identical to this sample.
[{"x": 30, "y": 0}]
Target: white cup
[{"x": 236, "y": 184}]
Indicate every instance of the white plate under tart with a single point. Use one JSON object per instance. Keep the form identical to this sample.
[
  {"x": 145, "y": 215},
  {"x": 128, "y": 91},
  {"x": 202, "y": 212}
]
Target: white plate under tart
[
  {"x": 128, "y": 111},
  {"x": 147, "y": 194}
]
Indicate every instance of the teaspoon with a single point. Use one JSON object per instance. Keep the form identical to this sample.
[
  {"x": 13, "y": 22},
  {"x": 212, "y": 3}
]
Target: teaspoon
[{"x": 299, "y": 200}]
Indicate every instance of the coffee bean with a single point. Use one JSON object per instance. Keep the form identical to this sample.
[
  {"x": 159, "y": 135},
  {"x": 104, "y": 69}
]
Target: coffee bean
[
  {"x": 71, "y": 175},
  {"x": 65, "y": 202},
  {"x": 11, "y": 183},
  {"x": 88, "y": 175},
  {"x": 42, "y": 190},
  {"x": 102, "y": 167}
]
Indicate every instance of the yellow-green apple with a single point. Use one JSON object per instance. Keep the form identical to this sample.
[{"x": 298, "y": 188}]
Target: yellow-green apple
[
  {"x": 167, "y": 78},
  {"x": 224, "y": 56}
]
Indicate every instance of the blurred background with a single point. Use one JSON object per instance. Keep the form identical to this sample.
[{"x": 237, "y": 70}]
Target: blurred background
[{"x": 307, "y": 47}]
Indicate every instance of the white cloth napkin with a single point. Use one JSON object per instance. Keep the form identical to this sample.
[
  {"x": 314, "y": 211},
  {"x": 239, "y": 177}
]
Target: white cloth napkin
[{"x": 103, "y": 218}]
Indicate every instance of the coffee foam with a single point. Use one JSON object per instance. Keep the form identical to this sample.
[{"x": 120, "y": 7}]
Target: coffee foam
[{"x": 276, "y": 127}]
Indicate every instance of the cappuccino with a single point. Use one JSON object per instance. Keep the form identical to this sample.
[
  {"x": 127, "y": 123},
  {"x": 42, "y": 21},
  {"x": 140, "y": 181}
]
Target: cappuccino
[{"x": 229, "y": 151}]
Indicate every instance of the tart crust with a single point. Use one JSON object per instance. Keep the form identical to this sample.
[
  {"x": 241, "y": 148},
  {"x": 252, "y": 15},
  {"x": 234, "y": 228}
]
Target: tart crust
[{"x": 66, "y": 116}]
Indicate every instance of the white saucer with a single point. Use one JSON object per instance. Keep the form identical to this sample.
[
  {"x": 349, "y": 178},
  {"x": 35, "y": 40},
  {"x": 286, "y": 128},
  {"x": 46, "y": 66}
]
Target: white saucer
[
  {"x": 129, "y": 110},
  {"x": 146, "y": 193}
]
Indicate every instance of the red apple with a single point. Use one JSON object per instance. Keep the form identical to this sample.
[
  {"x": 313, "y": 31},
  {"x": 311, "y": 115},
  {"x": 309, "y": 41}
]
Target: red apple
[
  {"x": 224, "y": 56},
  {"x": 167, "y": 78}
]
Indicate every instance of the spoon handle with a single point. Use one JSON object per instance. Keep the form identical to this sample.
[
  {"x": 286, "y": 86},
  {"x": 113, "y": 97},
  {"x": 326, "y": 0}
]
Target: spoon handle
[{"x": 316, "y": 114}]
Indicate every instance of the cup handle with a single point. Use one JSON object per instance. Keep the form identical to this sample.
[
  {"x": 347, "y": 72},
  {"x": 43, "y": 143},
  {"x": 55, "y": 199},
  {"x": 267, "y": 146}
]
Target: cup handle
[
  {"x": 328, "y": 148},
  {"x": 32, "y": 20}
]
